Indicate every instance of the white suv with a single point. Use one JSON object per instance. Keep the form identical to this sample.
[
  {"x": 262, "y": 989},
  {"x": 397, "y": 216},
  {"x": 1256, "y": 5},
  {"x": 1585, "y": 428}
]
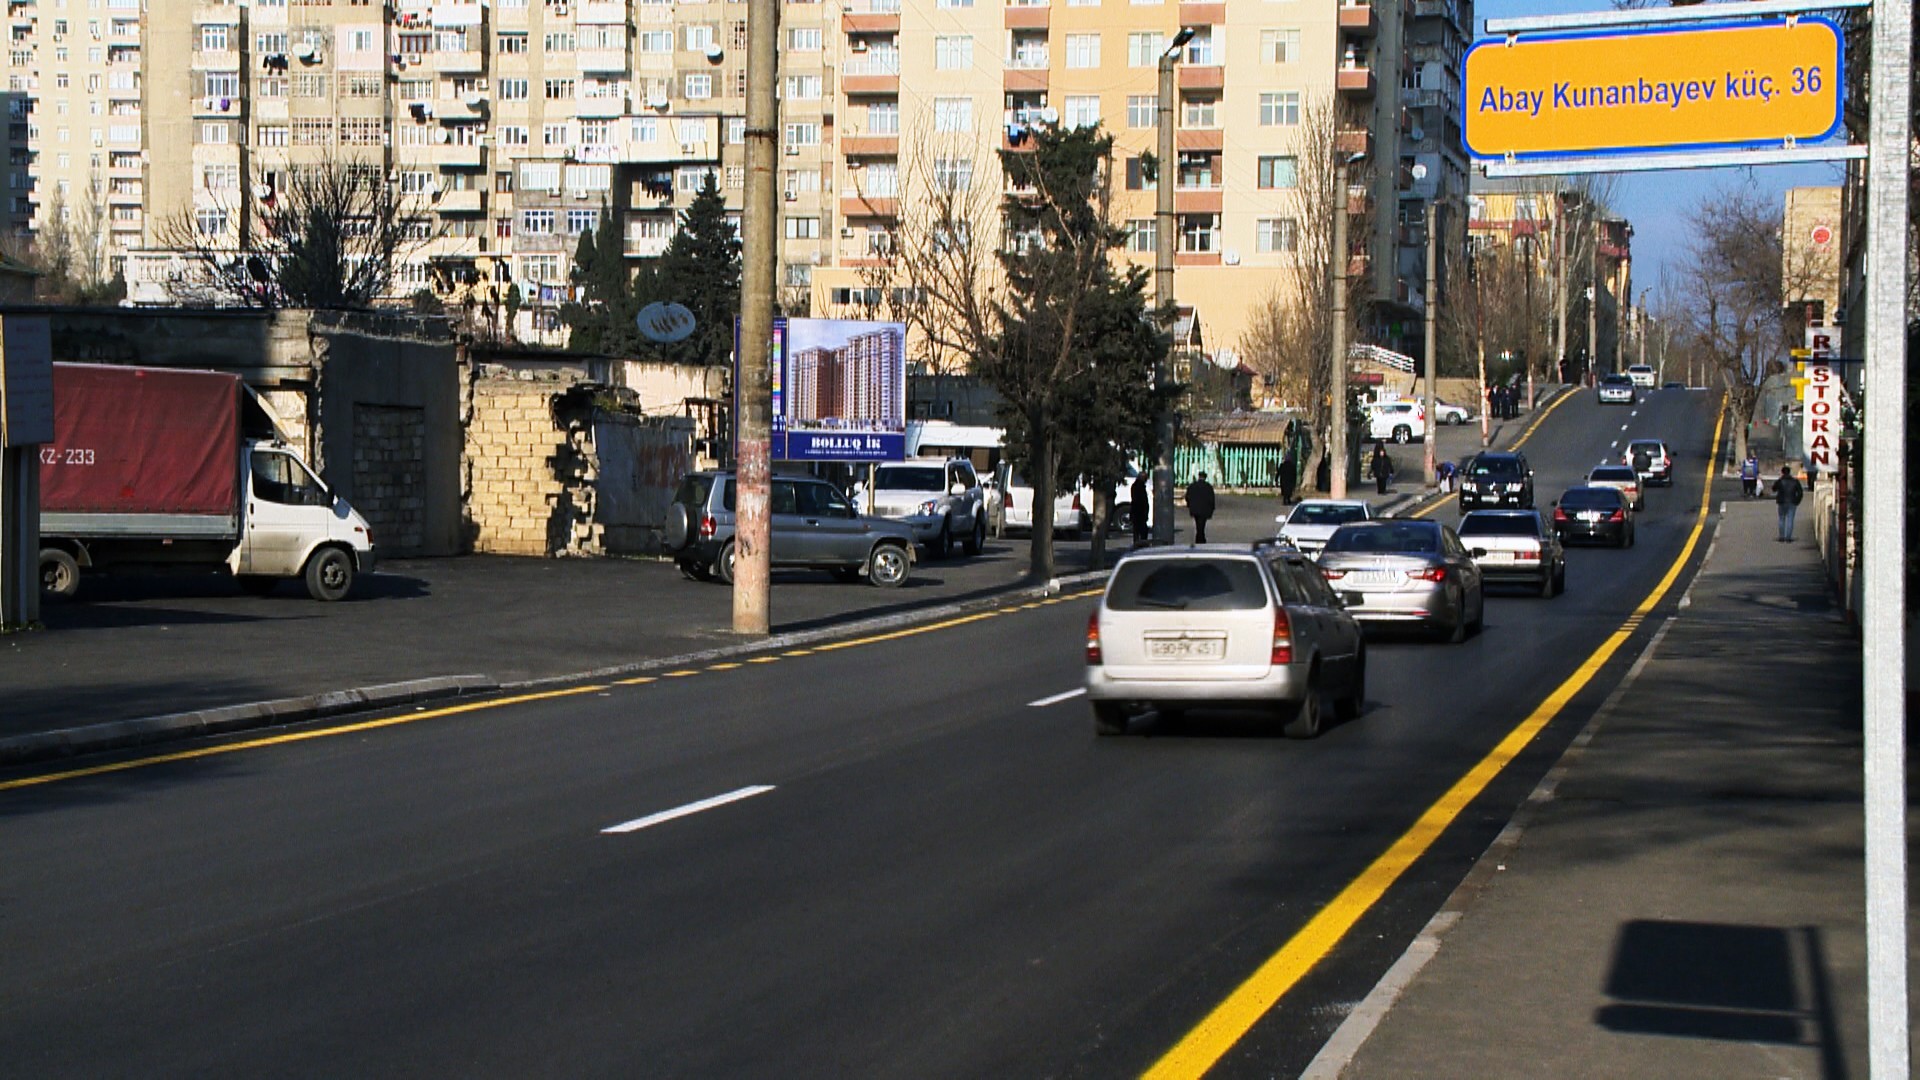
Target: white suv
[
  {"x": 1400, "y": 421},
  {"x": 941, "y": 501},
  {"x": 1641, "y": 374}
]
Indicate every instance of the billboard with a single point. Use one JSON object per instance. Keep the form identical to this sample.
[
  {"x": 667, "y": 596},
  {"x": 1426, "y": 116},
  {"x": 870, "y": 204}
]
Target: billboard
[{"x": 839, "y": 390}]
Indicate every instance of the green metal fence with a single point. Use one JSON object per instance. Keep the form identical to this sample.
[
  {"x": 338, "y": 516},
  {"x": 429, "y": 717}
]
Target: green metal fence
[{"x": 1231, "y": 465}]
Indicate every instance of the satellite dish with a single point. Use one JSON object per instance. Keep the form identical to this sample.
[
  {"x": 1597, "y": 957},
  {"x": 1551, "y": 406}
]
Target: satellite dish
[
  {"x": 304, "y": 50},
  {"x": 441, "y": 136},
  {"x": 715, "y": 53},
  {"x": 1230, "y": 257},
  {"x": 665, "y": 323},
  {"x": 1419, "y": 171}
]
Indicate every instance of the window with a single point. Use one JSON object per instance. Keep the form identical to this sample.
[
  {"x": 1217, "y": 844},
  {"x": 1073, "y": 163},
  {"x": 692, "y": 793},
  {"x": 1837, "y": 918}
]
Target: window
[
  {"x": 362, "y": 131},
  {"x": 1081, "y": 111},
  {"x": 699, "y": 85},
  {"x": 883, "y": 117},
  {"x": 803, "y": 228},
  {"x": 691, "y": 178},
  {"x": 1199, "y": 233},
  {"x": 803, "y": 135},
  {"x": 1137, "y": 178},
  {"x": 1279, "y": 172},
  {"x": 210, "y": 221},
  {"x": 736, "y": 177},
  {"x": 654, "y": 41},
  {"x": 804, "y": 39},
  {"x": 415, "y": 182},
  {"x": 953, "y": 52},
  {"x": 596, "y": 132},
  {"x": 699, "y": 37},
  {"x": 309, "y": 86},
  {"x": 1083, "y": 50},
  {"x": 1143, "y": 110},
  {"x": 513, "y": 44},
  {"x": 1280, "y": 108},
  {"x": 362, "y": 86},
  {"x": 952, "y": 114},
  {"x": 953, "y": 174},
  {"x": 536, "y": 222},
  {"x": 220, "y": 177},
  {"x": 513, "y": 135},
  {"x": 218, "y": 133},
  {"x": 535, "y": 269},
  {"x": 1200, "y": 111},
  {"x": 553, "y": 134},
  {"x": 800, "y": 181},
  {"x": 271, "y": 136},
  {"x": 271, "y": 42},
  {"x": 803, "y": 88},
  {"x": 799, "y": 274},
  {"x": 1144, "y": 48},
  {"x": 579, "y": 221},
  {"x": 1277, "y": 235},
  {"x": 559, "y": 89},
  {"x": 643, "y": 129},
  {"x": 559, "y": 41},
  {"x": 1280, "y": 46},
  {"x": 220, "y": 84},
  {"x": 1200, "y": 49},
  {"x": 513, "y": 89},
  {"x": 1140, "y": 235},
  {"x": 954, "y": 3},
  {"x": 881, "y": 179},
  {"x": 213, "y": 38}
]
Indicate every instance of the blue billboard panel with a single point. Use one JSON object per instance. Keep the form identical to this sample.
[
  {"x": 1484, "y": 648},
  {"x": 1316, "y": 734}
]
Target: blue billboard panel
[{"x": 839, "y": 390}]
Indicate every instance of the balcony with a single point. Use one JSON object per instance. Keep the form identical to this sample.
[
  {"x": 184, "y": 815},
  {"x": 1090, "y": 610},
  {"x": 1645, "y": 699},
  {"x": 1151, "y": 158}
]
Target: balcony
[
  {"x": 1356, "y": 80},
  {"x": 1028, "y": 59},
  {"x": 465, "y": 201},
  {"x": 1025, "y": 80},
  {"x": 218, "y": 107},
  {"x": 865, "y": 206},
  {"x": 216, "y": 60},
  {"x": 456, "y": 110},
  {"x": 600, "y": 108},
  {"x": 1202, "y": 77},
  {"x": 1197, "y": 199},
  {"x": 1027, "y": 17},
  {"x": 870, "y": 145},
  {"x": 1359, "y": 16},
  {"x": 1354, "y": 141},
  {"x": 1209, "y": 140},
  {"x": 591, "y": 14},
  {"x": 597, "y": 61},
  {"x": 871, "y": 75},
  {"x": 645, "y": 247},
  {"x": 457, "y": 15},
  {"x": 462, "y": 62},
  {"x": 456, "y": 156},
  {"x": 1203, "y": 13},
  {"x": 871, "y": 22},
  {"x": 124, "y": 196}
]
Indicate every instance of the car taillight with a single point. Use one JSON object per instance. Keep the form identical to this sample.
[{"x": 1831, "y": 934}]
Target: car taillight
[
  {"x": 1076, "y": 502},
  {"x": 707, "y": 527},
  {"x": 1526, "y": 556},
  {"x": 1617, "y": 515},
  {"x": 1431, "y": 573},
  {"x": 1331, "y": 574},
  {"x": 1559, "y": 515},
  {"x": 1282, "y": 638},
  {"x": 1093, "y": 638}
]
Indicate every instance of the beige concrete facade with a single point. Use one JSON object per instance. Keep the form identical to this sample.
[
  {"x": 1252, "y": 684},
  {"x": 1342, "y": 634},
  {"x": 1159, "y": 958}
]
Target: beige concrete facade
[{"x": 1810, "y": 250}]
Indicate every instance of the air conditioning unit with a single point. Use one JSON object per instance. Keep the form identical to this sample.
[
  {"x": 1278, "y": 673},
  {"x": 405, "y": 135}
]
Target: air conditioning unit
[
  {"x": 413, "y": 59},
  {"x": 656, "y": 101},
  {"x": 553, "y": 193},
  {"x": 846, "y": 232},
  {"x": 579, "y": 193},
  {"x": 793, "y": 151},
  {"x": 793, "y": 196},
  {"x": 859, "y": 45}
]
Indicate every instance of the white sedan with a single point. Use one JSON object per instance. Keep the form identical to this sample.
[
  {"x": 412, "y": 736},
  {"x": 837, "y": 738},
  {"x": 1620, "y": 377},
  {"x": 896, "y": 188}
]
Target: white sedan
[{"x": 1311, "y": 521}]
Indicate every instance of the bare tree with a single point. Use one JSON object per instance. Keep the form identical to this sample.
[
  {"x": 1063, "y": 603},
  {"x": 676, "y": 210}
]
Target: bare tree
[
  {"x": 1738, "y": 287},
  {"x": 70, "y": 252},
  {"x": 1290, "y": 337},
  {"x": 326, "y": 235}
]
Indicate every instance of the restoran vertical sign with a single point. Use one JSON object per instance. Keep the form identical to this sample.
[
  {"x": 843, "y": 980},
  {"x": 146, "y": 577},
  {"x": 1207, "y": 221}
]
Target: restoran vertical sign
[
  {"x": 1762, "y": 83},
  {"x": 1820, "y": 415}
]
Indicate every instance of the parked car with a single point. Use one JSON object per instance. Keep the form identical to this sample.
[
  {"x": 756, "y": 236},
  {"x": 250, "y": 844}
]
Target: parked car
[
  {"x": 1448, "y": 413},
  {"x": 1016, "y": 504},
  {"x": 1311, "y": 521},
  {"x": 1617, "y": 390},
  {"x": 814, "y": 526},
  {"x": 1597, "y": 515},
  {"x": 1406, "y": 572},
  {"x": 1622, "y": 477},
  {"x": 941, "y": 500},
  {"x": 1516, "y": 545},
  {"x": 1651, "y": 459},
  {"x": 1641, "y": 375},
  {"x": 1399, "y": 421},
  {"x": 1211, "y": 626},
  {"x": 1497, "y": 479}
]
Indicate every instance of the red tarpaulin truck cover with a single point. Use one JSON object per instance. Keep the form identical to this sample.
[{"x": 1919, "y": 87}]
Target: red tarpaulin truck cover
[{"x": 141, "y": 441}]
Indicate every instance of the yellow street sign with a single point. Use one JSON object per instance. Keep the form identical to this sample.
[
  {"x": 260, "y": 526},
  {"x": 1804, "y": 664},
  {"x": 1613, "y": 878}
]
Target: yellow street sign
[{"x": 1767, "y": 83}]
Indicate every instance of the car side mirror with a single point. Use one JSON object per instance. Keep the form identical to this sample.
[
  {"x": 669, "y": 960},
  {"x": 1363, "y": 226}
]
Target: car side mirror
[
  {"x": 957, "y": 489},
  {"x": 1478, "y": 553}
]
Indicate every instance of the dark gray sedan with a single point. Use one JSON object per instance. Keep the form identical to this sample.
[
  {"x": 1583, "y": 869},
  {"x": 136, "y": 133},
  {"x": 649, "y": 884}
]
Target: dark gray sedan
[
  {"x": 1406, "y": 572},
  {"x": 814, "y": 527}
]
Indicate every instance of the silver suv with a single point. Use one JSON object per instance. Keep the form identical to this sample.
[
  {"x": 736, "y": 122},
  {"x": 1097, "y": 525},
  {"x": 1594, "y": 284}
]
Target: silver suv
[
  {"x": 1213, "y": 625},
  {"x": 941, "y": 501},
  {"x": 814, "y": 527}
]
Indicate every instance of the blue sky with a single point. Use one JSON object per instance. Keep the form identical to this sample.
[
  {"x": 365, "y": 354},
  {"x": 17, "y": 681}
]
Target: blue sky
[{"x": 1659, "y": 203}]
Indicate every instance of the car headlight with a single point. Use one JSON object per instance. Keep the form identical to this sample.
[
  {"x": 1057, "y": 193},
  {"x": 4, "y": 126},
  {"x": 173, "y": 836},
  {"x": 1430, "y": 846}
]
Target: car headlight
[
  {"x": 1516, "y": 487},
  {"x": 927, "y": 507}
]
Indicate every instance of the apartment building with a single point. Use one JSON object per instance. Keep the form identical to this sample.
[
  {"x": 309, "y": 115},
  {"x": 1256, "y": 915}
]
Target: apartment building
[
  {"x": 1810, "y": 249},
  {"x": 1544, "y": 222},
  {"x": 73, "y": 124}
]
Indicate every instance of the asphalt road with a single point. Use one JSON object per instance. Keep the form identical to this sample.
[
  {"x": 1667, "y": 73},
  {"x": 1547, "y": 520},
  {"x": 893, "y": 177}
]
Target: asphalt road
[{"x": 948, "y": 875}]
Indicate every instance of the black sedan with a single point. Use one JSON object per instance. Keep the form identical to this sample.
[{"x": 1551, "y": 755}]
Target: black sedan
[
  {"x": 1594, "y": 515},
  {"x": 1494, "y": 479}
]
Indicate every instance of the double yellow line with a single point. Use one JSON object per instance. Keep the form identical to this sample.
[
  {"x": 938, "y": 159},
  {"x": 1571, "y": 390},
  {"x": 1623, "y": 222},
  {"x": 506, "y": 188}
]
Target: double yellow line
[{"x": 1217, "y": 1033}]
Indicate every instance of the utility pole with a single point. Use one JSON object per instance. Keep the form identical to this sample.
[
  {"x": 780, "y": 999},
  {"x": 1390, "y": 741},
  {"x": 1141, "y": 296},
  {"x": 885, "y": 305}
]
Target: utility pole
[
  {"x": 1337, "y": 435},
  {"x": 1164, "y": 178},
  {"x": 1560, "y": 238},
  {"x": 1480, "y": 349},
  {"x": 1593, "y": 306},
  {"x": 753, "y": 527},
  {"x": 1533, "y": 239},
  {"x": 1433, "y": 338}
]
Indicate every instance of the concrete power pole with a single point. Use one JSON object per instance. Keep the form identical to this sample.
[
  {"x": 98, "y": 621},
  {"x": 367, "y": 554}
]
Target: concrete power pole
[
  {"x": 1163, "y": 236},
  {"x": 1560, "y": 289},
  {"x": 753, "y": 528},
  {"x": 1337, "y": 430},
  {"x": 1433, "y": 340},
  {"x": 1593, "y": 307}
]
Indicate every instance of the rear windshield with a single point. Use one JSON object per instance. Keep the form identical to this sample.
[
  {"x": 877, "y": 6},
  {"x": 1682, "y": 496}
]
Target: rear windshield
[
  {"x": 1401, "y": 536},
  {"x": 1612, "y": 472},
  {"x": 1495, "y": 467},
  {"x": 1323, "y": 514},
  {"x": 1617, "y": 380},
  {"x": 1213, "y": 584},
  {"x": 693, "y": 491},
  {"x": 1592, "y": 499},
  {"x": 1646, "y": 448},
  {"x": 905, "y": 478},
  {"x": 1499, "y": 525}
]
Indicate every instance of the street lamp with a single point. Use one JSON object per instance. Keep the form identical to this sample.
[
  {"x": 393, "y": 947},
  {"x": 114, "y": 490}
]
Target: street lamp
[
  {"x": 1163, "y": 290},
  {"x": 1337, "y": 437}
]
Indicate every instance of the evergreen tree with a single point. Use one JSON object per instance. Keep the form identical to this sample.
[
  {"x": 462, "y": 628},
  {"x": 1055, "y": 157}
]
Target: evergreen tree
[
  {"x": 700, "y": 270},
  {"x": 602, "y": 318}
]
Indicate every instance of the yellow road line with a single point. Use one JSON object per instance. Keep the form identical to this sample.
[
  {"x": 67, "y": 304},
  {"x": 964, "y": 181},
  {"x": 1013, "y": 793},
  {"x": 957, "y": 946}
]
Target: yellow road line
[
  {"x": 1217, "y": 1033},
  {"x": 1435, "y": 505},
  {"x": 1538, "y": 420},
  {"x": 722, "y": 667},
  {"x": 294, "y": 737},
  {"x": 638, "y": 680},
  {"x": 681, "y": 674},
  {"x": 763, "y": 660}
]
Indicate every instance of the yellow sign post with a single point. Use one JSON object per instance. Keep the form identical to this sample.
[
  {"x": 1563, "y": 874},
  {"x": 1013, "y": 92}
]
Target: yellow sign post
[{"x": 1771, "y": 83}]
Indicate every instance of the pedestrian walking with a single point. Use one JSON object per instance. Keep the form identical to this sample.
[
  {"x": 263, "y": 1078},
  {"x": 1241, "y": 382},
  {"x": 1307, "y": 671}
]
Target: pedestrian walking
[
  {"x": 1787, "y": 493},
  {"x": 1381, "y": 468},
  {"x": 1200, "y": 505},
  {"x": 1750, "y": 477},
  {"x": 1289, "y": 476},
  {"x": 1138, "y": 509}
]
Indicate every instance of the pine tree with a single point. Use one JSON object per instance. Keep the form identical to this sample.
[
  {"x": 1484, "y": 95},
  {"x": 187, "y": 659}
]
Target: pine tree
[
  {"x": 700, "y": 269},
  {"x": 602, "y": 318}
]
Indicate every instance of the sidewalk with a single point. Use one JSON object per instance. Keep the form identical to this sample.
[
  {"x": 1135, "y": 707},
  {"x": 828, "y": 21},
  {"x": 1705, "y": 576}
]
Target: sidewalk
[{"x": 1684, "y": 895}]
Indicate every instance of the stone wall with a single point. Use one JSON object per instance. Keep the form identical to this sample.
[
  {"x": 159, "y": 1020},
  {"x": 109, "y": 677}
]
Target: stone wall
[{"x": 512, "y": 491}]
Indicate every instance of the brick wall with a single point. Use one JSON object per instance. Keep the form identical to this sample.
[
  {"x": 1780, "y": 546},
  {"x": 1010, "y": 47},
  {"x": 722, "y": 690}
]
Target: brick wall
[
  {"x": 514, "y": 499},
  {"x": 389, "y": 474}
]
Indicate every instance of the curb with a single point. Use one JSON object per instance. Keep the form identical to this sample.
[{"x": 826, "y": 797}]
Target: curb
[{"x": 225, "y": 719}]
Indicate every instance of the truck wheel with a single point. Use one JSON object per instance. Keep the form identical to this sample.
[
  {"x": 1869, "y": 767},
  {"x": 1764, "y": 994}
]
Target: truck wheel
[
  {"x": 329, "y": 574},
  {"x": 59, "y": 573}
]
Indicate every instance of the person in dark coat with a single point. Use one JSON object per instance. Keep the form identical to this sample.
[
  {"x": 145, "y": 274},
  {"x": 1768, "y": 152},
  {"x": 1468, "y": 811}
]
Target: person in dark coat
[
  {"x": 1289, "y": 475},
  {"x": 1200, "y": 505},
  {"x": 1137, "y": 509},
  {"x": 1381, "y": 468}
]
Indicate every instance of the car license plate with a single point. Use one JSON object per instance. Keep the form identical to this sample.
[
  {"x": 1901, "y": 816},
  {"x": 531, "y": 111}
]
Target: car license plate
[
  {"x": 1377, "y": 577},
  {"x": 1499, "y": 556},
  {"x": 1589, "y": 515},
  {"x": 1184, "y": 647}
]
